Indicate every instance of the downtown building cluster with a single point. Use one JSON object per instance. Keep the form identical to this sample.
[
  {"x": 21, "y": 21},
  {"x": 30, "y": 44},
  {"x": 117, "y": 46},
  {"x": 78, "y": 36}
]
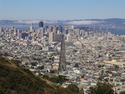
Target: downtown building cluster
[{"x": 84, "y": 57}]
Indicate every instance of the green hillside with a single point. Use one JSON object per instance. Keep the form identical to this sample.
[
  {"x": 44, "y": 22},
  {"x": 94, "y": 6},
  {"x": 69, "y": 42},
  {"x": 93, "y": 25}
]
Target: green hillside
[{"x": 16, "y": 80}]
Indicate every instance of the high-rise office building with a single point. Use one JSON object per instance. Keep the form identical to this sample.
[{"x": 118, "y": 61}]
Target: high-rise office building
[
  {"x": 51, "y": 37},
  {"x": 18, "y": 34},
  {"x": 41, "y": 24},
  {"x": 62, "y": 60},
  {"x": 31, "y": 28}
]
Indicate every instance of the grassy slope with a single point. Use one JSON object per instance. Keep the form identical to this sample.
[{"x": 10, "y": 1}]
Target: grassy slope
[{"x": 16, "y": 80}]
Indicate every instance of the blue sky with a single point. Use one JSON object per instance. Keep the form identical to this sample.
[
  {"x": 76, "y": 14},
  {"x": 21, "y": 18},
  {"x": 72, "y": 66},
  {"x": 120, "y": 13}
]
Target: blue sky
[{"x": 61, "y": 9}]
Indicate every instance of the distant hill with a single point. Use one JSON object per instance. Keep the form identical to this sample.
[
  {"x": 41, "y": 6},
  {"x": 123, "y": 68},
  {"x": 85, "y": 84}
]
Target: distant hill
[
  {"x": 77, "y": 22},
  {"x": 114, "y": 25},
  {"x": 16, "y": 80}
]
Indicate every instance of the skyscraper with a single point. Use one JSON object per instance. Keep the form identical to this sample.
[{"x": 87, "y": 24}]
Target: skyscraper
[
  {"x": 51, "y": 37},
  {"x": 62, "y": 61},
  {"x": 41, "y": 24},
  {"x": 31, "y": 28}
]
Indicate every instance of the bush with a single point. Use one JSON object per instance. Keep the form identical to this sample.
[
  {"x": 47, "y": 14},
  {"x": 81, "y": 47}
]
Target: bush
[
  {"x": 101, "y": 88},
  {"x": 73, "y": 88},
  {"x": 122, "y": 92}
]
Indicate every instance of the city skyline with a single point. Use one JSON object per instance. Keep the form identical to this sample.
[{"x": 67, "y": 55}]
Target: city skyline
[{"x": 61, "y": 10}]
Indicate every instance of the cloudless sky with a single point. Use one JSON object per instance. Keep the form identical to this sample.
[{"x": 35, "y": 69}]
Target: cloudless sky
[{"x": 61, "y": 9}]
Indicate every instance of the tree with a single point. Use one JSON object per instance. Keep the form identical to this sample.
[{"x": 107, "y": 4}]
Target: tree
[
  {"x": 73, "y": 88},
  {"x": 123, "y": 92},
  {"x": 101, "y": 88}
]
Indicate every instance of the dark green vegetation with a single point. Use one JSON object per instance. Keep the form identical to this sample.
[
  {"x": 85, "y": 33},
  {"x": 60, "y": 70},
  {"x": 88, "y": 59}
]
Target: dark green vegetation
[
  {"x": 71, "y": 89},
  {"x": 16, "y": 80},
  {"x": 101, "y": 88},
  {"x": 122, "y": 92},
  {"x": 56, "y": 79}
]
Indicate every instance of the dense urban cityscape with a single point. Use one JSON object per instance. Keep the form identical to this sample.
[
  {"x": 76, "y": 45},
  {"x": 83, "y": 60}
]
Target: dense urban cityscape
[
  {"x": 83, "y": 57},
  {"x": 62, "y": 47}
]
